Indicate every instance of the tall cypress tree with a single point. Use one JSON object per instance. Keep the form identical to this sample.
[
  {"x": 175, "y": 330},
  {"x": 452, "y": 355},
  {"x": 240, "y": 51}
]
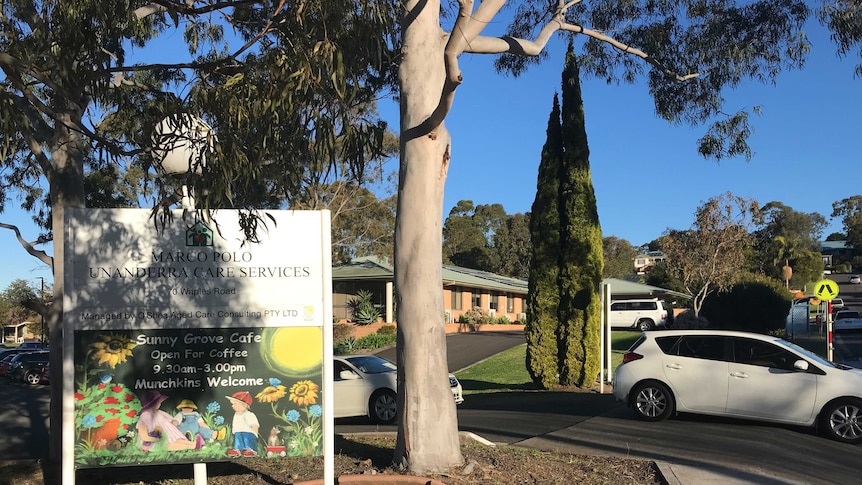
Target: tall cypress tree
[
  {"x": 581, "y": 258},
  {"x": 566, "y": 270},
  {"x": 543, "y": 297}
]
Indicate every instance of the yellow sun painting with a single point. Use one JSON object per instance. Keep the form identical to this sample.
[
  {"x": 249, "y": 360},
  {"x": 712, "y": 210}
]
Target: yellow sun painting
[{"x": 294, "y": 351}]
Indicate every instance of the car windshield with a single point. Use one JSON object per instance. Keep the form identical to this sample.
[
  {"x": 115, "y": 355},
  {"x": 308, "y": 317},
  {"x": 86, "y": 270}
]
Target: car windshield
[
  {"x": 847, "y": 314},
  {"x": 370, "y": 364},
  {"x": 807, "y": 353}
]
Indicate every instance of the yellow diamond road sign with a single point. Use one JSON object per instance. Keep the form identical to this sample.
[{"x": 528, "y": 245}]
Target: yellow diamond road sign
[{"x": 826, "y": 290}]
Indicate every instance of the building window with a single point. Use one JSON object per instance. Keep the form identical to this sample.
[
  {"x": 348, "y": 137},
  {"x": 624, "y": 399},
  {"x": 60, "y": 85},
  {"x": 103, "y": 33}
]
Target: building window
[
  {"x": 456, "y": 298},
  {"x": 477, "y": 302},
  {"x": 510, "y": 303},
  {"x": 495, "y": 300}
]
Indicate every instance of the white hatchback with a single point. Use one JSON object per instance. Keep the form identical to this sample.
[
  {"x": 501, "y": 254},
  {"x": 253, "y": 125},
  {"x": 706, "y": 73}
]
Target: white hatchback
[
  {"x": 365, "y": 385},
  {"x": 740, "y": 375}
]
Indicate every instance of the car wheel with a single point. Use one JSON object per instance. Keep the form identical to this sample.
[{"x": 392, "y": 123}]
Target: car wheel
[
  {"x": 32, "y": 378},
  {"x": 645, "y": 325},
  {"x": 382, "y": 407},
  {"x": 652, "y": 401},
  {"x": 842, "y": 420}
]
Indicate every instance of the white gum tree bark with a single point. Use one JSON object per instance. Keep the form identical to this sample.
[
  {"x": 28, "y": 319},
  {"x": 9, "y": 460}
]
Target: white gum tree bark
[{"x": 429, "y": 75}]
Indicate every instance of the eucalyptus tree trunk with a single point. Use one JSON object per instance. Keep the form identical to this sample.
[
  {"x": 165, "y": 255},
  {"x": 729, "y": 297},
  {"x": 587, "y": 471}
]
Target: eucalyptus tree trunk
[
  {"x": 65, "y": 174},
  {"x": 427, "y": 421}
]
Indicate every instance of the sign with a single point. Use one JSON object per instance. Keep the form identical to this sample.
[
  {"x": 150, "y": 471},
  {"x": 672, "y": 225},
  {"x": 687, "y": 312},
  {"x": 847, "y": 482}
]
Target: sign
[
  {"x": 826, "y": 290},
  {"x": 191, "y": 344}
]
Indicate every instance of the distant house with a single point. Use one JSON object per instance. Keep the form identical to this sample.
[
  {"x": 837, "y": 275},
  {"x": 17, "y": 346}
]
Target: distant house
[
  {"x": 830, "y": 250},
  {"x": 643, "y": 263},
  {"x": 463, "y": 289}
]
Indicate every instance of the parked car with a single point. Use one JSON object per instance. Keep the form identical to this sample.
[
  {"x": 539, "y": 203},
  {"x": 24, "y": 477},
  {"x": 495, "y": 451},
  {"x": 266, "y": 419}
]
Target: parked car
[
  {"x": 32, "y": 346},
  {"x": 6, "y": 359},
  {"x": 27, "y": 366},
  {"x": 365, "y": 385},
  {"x": 837, "y": 304},
  {"x": 642, "y": 315},
  {"x": 740, "y": 375},
  {"x": 847, "y": 321},
  {"x": 854, "y": 278}
]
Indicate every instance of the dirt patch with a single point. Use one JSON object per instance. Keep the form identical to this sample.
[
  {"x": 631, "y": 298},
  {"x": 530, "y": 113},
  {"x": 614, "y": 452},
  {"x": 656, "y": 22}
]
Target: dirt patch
[{"x": 489, "y": 465}]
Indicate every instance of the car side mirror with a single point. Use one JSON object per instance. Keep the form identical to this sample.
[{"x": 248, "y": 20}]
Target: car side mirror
[
  {"x": 801, "y": 365},
  {"x": 347, "y": 375}
]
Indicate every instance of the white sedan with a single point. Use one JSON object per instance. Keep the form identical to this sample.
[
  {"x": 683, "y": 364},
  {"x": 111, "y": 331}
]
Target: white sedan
[
  {"x": 855, "y": 279},
  {"x": 740, "y": 375},
  {"x": 847, "y": 321},
  {"x": 365, "y": 385}
]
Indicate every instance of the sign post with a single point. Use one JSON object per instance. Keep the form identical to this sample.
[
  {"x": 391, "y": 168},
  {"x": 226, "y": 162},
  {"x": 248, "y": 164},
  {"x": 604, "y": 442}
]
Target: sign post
[{"x": 826, "y": 290}]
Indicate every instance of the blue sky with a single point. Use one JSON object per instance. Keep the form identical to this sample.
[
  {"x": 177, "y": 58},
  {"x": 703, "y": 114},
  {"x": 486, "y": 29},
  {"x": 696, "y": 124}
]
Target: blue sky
[{"x": 646, "y": 173}]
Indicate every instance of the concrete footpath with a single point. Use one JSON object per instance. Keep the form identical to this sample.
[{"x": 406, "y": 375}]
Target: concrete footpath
[{"x": 675, "y": 474}]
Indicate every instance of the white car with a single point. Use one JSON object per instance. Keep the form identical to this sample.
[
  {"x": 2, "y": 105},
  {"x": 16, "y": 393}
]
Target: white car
[
  {"x": 365, "y": 385},
  {"x": 847, "y": 321},
  {"x": 643, "y": 315},
  {"x": 740, "y": 375},
  {"x": 855, "y": 279}
]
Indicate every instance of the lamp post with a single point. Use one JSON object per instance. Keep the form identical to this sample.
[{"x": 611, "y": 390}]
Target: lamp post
[{"x": 180, "y": 146}]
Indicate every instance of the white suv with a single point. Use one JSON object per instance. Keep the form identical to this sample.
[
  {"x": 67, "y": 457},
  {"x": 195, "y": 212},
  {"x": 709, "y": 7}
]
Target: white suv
[{"x": 638, "y": 314}]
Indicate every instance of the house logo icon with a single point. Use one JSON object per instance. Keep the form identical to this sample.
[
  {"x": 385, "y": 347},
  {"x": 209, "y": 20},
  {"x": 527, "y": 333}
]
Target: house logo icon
[{"x": 199, "y": 235}]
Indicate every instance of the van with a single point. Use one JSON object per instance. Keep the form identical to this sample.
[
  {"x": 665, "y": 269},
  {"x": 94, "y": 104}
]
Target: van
[{"x": 642, "y": 315}]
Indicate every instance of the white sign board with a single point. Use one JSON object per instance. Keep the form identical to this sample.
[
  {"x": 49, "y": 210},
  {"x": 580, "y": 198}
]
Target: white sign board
[{"x": 191, "y": 344}]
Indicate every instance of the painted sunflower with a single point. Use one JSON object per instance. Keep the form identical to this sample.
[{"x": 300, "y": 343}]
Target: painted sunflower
[
  {"x": 113, "y": 349},
  {"x": 271, "y": 393},
  {"x": 304, "y": 393}
]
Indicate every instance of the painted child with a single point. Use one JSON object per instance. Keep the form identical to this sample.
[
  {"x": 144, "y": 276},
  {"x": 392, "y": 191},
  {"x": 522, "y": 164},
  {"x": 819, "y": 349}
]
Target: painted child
[
  {"x": 190, "y": 422},
  {"x": 245, "y": 426},
  {"x": 154, "y": 425}
]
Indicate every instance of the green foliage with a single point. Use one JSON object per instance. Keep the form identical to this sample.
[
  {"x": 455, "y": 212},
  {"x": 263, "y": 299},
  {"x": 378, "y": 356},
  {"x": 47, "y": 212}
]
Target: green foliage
[
  {"x": 618, "y": 256},
  {"x": 362, "y": 308},
  {"x": 345, "y": 346},
  {"x": 387, "y": 330},
  {"x": 543, "y": 297},
  {"x": 502, "y": 320},
  {"x": 375, "y": 341},
  {"x": 563, "y": 294},
  {"x": 755, "y": 304},
  {"x": 580, "y": 243}
]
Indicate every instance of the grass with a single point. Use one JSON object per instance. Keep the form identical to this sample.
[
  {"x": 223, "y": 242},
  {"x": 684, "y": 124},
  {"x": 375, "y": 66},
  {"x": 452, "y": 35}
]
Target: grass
[{"x": 507, "y": 371}]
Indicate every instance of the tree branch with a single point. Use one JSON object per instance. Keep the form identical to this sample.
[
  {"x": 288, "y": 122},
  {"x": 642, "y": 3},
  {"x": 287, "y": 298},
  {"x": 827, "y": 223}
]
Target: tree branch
[{"x": 29, "y": 246}]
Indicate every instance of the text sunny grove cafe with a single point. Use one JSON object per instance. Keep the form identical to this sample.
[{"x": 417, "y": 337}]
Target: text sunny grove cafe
[{"x": 190, "y": 344}]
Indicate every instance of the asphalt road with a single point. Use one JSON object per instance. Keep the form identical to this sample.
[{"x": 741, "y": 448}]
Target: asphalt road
[{"x": 589, "y": 423}]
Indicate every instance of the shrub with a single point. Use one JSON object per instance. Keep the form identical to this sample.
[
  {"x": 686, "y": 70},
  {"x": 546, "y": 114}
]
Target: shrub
[
  {"x": 463, "y": 318},
  {"x": 344, "y": 347},
  {"x": 375, "y": 341},
  {"x": 503, "y": 320},
  {"x": 477, "y": 316},
  {"x": 341, "y": 331},
  {"x": 387, "y": 330},
  {"x": 754, "y": 304},
  {"x": 362, "y": 308},
  {"x": 687, "y": 320}
]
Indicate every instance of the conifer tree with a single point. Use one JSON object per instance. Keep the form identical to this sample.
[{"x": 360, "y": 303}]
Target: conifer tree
[
  {"x": 580, "y": 243},
  {"x": 566, "y": 271},
  {"x": 543, "y": 297}
]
